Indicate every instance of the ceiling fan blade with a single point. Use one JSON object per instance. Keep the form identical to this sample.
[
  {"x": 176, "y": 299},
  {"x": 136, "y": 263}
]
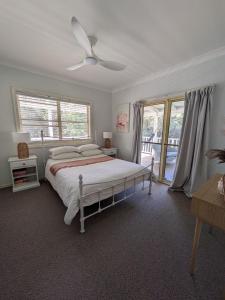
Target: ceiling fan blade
[
  {"x": 81, "y": 36},
  {"x": 76, "y": 67},
  {"x": 112, "y": 65}
]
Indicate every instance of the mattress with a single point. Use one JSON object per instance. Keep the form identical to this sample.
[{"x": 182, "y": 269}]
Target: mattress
[{"x": 96, "y": 177}]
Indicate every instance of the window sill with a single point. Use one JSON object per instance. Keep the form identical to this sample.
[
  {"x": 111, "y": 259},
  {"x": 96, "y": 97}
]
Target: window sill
[{"x": 48, "y": 144}]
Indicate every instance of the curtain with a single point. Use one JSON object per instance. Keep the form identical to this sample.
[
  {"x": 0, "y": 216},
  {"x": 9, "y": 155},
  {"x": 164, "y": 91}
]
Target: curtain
[
  {"x": 191, "y": 167},
  {"x": 138, "y": 108}
]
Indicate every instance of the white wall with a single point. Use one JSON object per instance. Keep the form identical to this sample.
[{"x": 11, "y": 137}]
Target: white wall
[
  {"x": 206, "y": 73},
  {"x": 203, "y": 74},
  {"x": 10, "y": 77}
]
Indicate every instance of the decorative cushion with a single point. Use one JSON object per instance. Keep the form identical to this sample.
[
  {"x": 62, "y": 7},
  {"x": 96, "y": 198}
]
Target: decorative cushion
[{"x": 91, "y": 152}]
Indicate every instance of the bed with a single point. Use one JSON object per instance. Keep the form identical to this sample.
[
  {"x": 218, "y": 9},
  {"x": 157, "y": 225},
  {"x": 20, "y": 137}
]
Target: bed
[{"x": 80, "y": 183}]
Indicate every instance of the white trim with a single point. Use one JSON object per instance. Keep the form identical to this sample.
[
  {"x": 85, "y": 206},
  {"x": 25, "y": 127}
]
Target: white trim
[
  {"x": 50, "y": 94},
  {"x": 170, "y": 70},
  {"x": 5, "y": 185},
  {"x": 175, "y": 68},
  {"x": 56, "y": 77}
]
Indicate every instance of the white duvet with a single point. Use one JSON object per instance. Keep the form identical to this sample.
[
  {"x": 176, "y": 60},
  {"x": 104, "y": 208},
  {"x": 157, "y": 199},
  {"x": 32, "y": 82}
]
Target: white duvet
[{"x": 66, "y": 181}]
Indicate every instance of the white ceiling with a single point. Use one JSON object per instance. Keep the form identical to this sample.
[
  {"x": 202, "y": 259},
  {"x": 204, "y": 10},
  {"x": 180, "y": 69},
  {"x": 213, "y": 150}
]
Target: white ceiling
[{"x": 148, "y": 36}]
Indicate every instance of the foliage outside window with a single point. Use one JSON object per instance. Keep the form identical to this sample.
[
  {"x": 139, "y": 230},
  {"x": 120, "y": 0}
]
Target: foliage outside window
[{"x": 58, "y": 118}]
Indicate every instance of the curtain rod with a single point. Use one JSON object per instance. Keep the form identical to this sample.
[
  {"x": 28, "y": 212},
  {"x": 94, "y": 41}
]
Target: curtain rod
[
  {"x": 177, "y": 94},
  {"x": 200, "y": 87}
]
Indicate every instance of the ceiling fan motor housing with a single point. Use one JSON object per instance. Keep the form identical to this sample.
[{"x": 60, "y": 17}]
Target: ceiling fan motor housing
[{"x": 90, "y": 60}]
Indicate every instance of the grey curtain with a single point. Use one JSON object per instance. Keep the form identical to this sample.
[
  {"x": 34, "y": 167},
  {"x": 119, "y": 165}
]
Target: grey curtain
[
  {"x": 138, "y": 108},
  {"x": 191, "y": 167}
]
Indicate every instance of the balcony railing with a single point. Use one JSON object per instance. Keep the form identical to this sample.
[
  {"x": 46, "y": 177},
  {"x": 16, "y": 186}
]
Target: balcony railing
[{"x": 147, "y": 144}]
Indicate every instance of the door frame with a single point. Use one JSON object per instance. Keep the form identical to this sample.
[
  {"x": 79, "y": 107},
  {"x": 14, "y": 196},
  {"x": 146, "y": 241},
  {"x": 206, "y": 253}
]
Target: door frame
[{"x": 167, "y": 101}]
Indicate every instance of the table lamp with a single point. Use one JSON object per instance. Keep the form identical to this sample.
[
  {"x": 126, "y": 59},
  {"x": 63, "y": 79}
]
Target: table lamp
[
  {"x": 108, "y": 139},
  {"x": 22, "y": 138}
]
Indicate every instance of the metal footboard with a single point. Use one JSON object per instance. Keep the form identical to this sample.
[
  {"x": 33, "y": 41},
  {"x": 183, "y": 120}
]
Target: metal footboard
[{"x": 113, "y": 188}]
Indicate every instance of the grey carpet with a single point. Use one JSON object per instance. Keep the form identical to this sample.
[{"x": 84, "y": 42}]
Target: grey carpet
[{"x": 137, "y": 250}]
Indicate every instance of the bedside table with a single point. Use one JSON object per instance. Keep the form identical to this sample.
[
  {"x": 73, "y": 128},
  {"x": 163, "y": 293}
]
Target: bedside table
[
  {"x": 110, "y": 151},
  {"x": 24, "y": 173}
]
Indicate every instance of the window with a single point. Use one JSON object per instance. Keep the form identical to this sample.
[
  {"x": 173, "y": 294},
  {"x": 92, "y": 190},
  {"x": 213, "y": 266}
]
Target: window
[{"x": 58, "y": 118}]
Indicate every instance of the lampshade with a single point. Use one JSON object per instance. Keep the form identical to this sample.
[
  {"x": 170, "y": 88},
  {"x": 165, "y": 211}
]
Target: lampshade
[
  {"x": 21, "y": 137},
  {"x": 107, "y": 135}
]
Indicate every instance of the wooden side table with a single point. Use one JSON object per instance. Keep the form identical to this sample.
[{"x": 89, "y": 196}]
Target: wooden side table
[{"x": 208, "y": 206}]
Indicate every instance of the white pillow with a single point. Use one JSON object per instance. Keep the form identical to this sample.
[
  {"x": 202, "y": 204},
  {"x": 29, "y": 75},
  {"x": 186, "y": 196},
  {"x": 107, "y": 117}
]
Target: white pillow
[
  {"x": 65, "y": 155},
  {"x": 91, "y": 152},
  {"x": 63, "y": 149},
  {"x": 87, "y": 147}
]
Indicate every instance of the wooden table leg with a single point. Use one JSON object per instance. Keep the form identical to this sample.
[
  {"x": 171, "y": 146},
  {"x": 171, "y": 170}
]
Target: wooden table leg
[{"x": 198, "y": 227}]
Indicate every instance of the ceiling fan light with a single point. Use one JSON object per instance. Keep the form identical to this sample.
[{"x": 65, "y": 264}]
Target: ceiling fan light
[{"x": 90, "y": 60}]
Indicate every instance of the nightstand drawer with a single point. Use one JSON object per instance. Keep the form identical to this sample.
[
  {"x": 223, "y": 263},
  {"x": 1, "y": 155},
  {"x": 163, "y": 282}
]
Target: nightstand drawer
[
  {"x": 110, "y": 152},
  {"x": 23, "y": 163}
]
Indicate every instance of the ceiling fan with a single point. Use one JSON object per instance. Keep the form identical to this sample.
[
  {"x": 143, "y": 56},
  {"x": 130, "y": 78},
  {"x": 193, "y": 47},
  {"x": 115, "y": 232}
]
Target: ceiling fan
[{"x": 87, "y": 43}]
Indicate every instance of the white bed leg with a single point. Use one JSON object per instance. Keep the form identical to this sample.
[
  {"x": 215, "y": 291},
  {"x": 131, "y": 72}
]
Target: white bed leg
[{"x": 82, "y": 230}]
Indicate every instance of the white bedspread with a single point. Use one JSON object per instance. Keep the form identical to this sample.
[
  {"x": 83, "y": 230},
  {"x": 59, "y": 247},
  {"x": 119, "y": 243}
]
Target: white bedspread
[{"x": 66, "y": 181}]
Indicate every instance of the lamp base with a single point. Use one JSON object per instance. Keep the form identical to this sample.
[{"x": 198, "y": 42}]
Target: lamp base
[
  {"x": 22, "y": 150},
  {"x": 108, "y": 143}
]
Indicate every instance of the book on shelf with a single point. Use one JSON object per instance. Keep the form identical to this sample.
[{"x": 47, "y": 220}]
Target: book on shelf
[
  {"x": 20, "y": 172},
  {"x": 21, "y": 181}
]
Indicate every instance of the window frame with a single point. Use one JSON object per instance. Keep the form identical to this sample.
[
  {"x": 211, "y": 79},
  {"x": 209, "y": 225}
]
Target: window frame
[{"x": 59, "y": 98}]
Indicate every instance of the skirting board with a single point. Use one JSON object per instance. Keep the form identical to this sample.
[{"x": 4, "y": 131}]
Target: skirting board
[{"x": 2, "y": 186}]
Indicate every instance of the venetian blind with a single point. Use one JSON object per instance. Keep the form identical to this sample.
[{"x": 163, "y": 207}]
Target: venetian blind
[{"x": 59, "y": 119}]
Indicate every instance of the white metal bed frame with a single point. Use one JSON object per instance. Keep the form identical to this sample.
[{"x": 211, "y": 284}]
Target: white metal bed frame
[{"x": 116, "y": 187}]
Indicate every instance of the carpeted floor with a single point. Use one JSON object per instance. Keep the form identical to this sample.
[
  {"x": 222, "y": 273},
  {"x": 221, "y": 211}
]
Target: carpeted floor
[{"x": 138, "y": 250}]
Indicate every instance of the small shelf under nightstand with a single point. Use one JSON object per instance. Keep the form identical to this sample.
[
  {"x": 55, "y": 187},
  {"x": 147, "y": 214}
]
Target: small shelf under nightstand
[
  {"x": 110, "y": 151},
  {"x": 24, "y": 173}
]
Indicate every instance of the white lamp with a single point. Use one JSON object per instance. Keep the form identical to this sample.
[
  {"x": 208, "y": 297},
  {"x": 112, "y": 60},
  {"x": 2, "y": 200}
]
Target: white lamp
[
  {"x": 108, "y": 139},
  {"x": 22, "y": 138}
]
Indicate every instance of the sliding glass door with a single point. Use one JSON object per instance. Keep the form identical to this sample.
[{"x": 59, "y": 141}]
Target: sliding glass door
[
  {"x": 152, "y": 135},
  {"x": 161, "y": 136},
  {"x": 172, "y": 138}
]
